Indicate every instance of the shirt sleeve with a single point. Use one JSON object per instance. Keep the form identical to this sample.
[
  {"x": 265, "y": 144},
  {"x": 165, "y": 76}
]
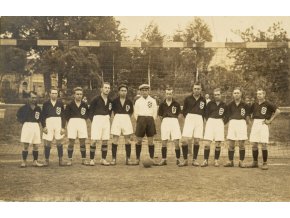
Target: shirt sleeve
[
  {"x": 155, "y": 108},
  {"x": 43, "y": 116},
  {"x": 62, "y": 117},
  {"x": 136, "y": 109},
  {"x": 160, "y": 110},
  {"x": 184, "y": 111},
  {"x": 131, "y": 111},
  {"x": 20, "y": 115},
  {"x": 91, "y": 110},
  {"x": 67, "y": 112}
]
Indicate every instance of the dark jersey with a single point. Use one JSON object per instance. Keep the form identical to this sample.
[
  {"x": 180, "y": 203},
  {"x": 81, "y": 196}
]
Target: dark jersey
[
  {"x": 73, "y": 111},
  {"x": 48, "y": 110},
  {"x": 98, "y": 107},
  {"x": 238, "y": 112},
  {"x": 127, "y": 108},
  {"x": 172, "y": 110},
  {"x": 216, "y": 111},
  {"x": 264, "y": 110},
  {"x": 193, "y": 106},
  {"x": 27, "y": 114}
]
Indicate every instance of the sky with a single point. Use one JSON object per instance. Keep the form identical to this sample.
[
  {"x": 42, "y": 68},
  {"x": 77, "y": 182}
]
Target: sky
[{"x": 220, "y": 26}]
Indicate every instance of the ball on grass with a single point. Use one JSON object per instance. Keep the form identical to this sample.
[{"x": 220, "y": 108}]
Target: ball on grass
[{"x": 147, "y": 163}]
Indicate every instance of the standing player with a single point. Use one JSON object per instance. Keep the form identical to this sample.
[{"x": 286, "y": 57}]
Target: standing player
[
  {"x": 193, "y": 111},
  {"x": 123, "y": 109},
  {"x": 238, "y": 115},
  {"x": 145, "y": 112},
  {"x": 53, "y": 123},
  {"x": 100, "y": 112},
  {"x": 215, "y": 115},
  {"x": 76, "y": 113},
  {"x": 30, "y": 116},
  {"x": 263, "y": 113},
  {"x": 169, "y": 110}
]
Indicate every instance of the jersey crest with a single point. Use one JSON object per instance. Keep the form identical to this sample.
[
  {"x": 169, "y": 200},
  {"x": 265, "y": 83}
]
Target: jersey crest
[
  {"x": 173, "y": 110},
  {"x": 58, "y": 110},
  {"x": 149, "y": 104},
  {"x": 37, "y": 114},
  {"x": 221, "y": 111},
  {"x": 243, "y": 112},
  {"x": 83, "y": 111},
  {"x": 201, "y": 105},
  {"x": 127, "y": 107},
  {"x": 263, "y": 110}
]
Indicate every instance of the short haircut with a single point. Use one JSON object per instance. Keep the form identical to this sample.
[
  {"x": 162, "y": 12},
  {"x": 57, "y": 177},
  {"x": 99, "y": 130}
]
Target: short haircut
[
  {"x": 53, "y": 88},
  {"x": 217, "y": 90},
  {"x": 238, "y": 88},
  {"x": 168, "y": 88},
  {"x": 122, "y": 86},
  {"x": 261, "y": 89},
  {"x": 106, "y": 83},
  {"x": 197, "y": 83},
  {"x": 31, "y": 93},
  {"x": 78, "y": 89}
]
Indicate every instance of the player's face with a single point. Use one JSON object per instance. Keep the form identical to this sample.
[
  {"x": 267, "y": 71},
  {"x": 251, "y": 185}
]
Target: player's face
[
  {"x": 217, "y": 96},
  {"x": 168, "y": 94},
  {"x": 196, "y": 90},
  {"x": 237, "y": 94},
  {"x": 123, "y": 92},
  {"x": 53, "y": 95},
  {"x": 144, "y": 92},
  {"x": 106, "y": 89},
  {"x": 260, "y": 95},
  {"x": 33, "y": 99},
  {"x": 78, "y": 95}
]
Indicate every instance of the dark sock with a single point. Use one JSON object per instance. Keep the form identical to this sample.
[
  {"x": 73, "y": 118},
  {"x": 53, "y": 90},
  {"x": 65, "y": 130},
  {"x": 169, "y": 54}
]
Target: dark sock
[
  {"x": 114, "y": 150},
  {"x": 24, "y": 155},
  {"x": 177, "y": 153},
  {"x": 60, "y": 150},
  {"x": 184, "y": 151},
  {"x": 195, "y": 151},
  {"x": 206, "y": 154},
  {"x": 265, "y": 155},
  {"x": 138, "y": 151},
  {"x": 83, "y": 151},
  {"x": 104, "y": 151},
  {"x": 255, "y": 154},
  {"x": 242, "y": 154},
  {"x": 164, "y": 152},
  {"x": 70, "y": 153},
  {"x": 92, "y": 152},
  {"x": 35, "y": 155},
  {"x": 128, "y": 150},
  {"x": 217, "y": 153},
  {"x": 151, "y": 151},
  {"x": 231, "y": 155},
  {"x": 47, "y": 151}
]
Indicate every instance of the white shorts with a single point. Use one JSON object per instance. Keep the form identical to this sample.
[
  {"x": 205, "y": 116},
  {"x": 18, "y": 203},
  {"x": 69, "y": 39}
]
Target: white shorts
[
  {"x": 77, "y": 128},
  {"x": 259, "y": 132},
  {"x": 100, "y": 127},
  {"x": 53, "y": 125},
  {"x": 122, "y": 125},
  {"x": 193, "y": 126},
  {"x": 237, "y": 130},
  {"x": 30, "y": 133},
  {"x": 170, "y": 127},
  {"x": 214, "y": 130}
]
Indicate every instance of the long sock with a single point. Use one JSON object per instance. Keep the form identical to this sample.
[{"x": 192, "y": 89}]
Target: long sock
[
  {"x": 83, "y": 151},
  {"x": 217, "y": 153},
  {"x": 114, "y": 150},
  {"x": 138, "y": 151},
  {"x": 92, "y": 151},
  {"x": 47, "y": 151},
  {"x": 104, "y": 151},
  {"x": 177, "y": 153},
  {"x": 70, "y": 153},
  {"x": 184, "y": 151},
  {"x": 35, "y": 155},
  {"x": 195, "y": 151},
  {"x": 24, "y": 155},
  {"x": 151, "y": 151},
  {"x": 255, "y": 154},
  {"x": 164, "y": 152},
  {"x": 265, "y": 155},
  {"x": 231, "y": 155},
  {"x": 128, "y": 150},
  {"x": 206, "y": 153},
  {"x": 60, "y": 150},
  {"x": 242, "y": 154}
]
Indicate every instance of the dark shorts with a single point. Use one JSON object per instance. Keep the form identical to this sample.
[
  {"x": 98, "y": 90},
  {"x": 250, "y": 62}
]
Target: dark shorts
[{"x": 145, "y": 126}]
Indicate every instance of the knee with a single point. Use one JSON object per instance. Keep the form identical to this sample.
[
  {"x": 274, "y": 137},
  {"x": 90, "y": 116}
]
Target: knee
[
  {"x": 47, "y": 144},
  {"x": 104, "y": 147},
  {"x": 150, "y": 140},
  {"x": 242, "y": 147},
  {"x": 82, "y": 141},
  {"x": 176, "y": 143},
  {"x": 105, "y": 142},
  {"x": 35, "y": 147},
  {"x": 264, "y": 146},
  {"x": 139, "y": 140},
  {"x": 255, "y": 147},
  {"x": 196, "y": 141},
  {"x": 207, "y": 147},
  {"x": 25, "y": 147},
  {"x": 127, "y": 139},
  {"x": 184, "y": 141},
  {"x": 70, "y": 146}
]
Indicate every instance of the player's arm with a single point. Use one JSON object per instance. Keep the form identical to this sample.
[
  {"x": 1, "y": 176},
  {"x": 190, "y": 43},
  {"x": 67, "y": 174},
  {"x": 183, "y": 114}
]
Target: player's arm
[
  {"x": 275, "y": 114},
  {"x": 131, "y": 111},
  {"x": 185, "y": 106},
  {"x": 92, "y": 108},
  {"x": 226, "y": 114},
  {"x": 20, "y": 114},
  {"x": 136, "y": 109},
  {"x": 155, "y": 109}
]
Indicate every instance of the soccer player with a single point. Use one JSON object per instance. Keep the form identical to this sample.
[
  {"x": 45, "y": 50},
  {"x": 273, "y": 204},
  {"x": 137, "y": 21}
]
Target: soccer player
[
  {"x": 53, "y": 123},
  {"x": 100, "y": 112},
  {"x": 193, "y": 111},
  {"x": 145, "y": 112},
  {"x": 238, "y": 116},
  {"x": 123, "y": 110},
  {"x": 215, "y": 115},
  {"x": 76, "y": 113},
  {"x": 30, "y": 116},
  {"x": 168, "y": 111},
  {"x": 263, "y": 113}
]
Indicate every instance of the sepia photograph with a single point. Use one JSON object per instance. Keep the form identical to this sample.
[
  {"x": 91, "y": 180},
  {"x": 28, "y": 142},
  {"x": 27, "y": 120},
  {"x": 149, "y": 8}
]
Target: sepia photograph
[{"x": 144, "y": 108}]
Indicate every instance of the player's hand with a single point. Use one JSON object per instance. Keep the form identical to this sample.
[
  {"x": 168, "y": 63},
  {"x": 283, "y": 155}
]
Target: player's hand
[
  {"x": 45, "y": 130},
  {"x": 267, "y": 122},
  {"x": 62, "y": 131}
]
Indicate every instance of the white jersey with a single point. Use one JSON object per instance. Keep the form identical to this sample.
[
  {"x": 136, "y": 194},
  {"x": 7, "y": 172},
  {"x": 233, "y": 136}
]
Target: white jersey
[{"x": 145, "y": 107}]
